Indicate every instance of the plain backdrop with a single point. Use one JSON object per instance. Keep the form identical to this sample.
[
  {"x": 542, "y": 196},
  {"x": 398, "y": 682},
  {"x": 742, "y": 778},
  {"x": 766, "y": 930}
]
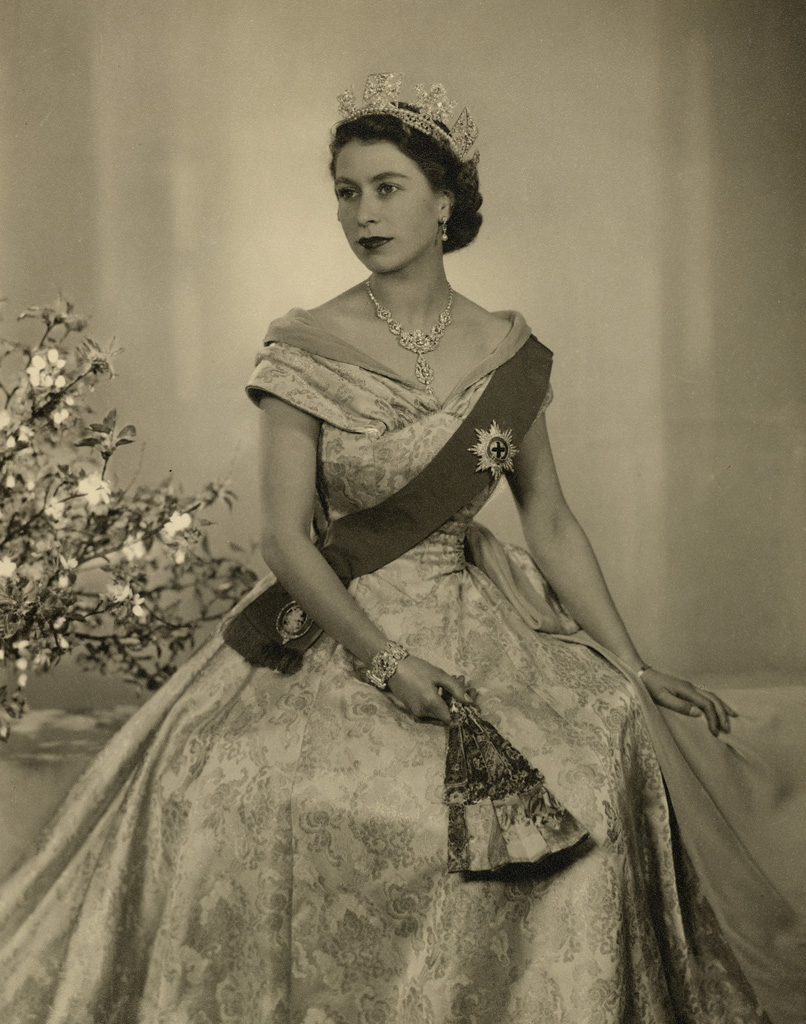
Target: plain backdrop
[{"x": 642, "y": 164}]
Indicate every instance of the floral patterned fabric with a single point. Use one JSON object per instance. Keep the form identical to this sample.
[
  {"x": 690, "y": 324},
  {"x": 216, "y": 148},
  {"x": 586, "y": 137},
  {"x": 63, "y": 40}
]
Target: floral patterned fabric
[{"x": 254, "y": 848}]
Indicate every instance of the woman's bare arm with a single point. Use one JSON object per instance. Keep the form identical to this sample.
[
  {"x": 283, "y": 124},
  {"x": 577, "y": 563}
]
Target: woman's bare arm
[
  {"x": 289, "y": 440},
  {"x": 289, "y": 443},
  {"x": 561, "y": 548},
  {"x": 564, "y": 554}
]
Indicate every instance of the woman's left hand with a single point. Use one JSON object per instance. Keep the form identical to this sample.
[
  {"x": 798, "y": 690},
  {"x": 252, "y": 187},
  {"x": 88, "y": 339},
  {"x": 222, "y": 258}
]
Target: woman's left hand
[{"x": 687, "y": 699}]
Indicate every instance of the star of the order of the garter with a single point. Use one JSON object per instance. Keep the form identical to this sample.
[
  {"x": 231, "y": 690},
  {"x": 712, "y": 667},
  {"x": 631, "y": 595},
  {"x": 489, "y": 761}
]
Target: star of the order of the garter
[{"x": 495, "y": 450}]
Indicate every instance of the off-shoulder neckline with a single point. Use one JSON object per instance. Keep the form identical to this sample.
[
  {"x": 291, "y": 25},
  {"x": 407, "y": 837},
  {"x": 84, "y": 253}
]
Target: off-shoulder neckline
[{"x": 300, "y": 328}]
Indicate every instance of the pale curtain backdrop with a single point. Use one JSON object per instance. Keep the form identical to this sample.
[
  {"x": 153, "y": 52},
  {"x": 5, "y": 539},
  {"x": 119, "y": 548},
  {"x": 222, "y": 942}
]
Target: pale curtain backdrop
[{"x": 165, "y": 165}]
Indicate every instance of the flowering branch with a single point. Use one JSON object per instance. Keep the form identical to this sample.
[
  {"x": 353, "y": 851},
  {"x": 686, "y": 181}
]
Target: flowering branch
[{"x": 123, "y": 580}]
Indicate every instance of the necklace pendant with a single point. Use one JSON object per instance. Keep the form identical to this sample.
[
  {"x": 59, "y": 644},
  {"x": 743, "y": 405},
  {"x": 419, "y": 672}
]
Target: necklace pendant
[
  {"x": 418, "y": 341},
  {"x": 423, "y": 371}
]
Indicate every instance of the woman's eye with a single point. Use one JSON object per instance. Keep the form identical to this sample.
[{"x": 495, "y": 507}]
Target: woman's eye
[
  {"x": 386, "y": 188},
  {"x": 345, "y": 193}
]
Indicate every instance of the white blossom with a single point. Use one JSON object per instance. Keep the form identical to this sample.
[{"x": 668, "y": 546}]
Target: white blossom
[
  {"x": 133, "y": 549},
  {"x": 7, "y": 568},
  {"x": 34, "y": 370},
  {"x": 178, "y": 523},
  {"x": 119, "y": 592},
  {"x": 33, "y": 570},
  {"x": 95, "y": 490},
  {"x": 55, "y": 510}
]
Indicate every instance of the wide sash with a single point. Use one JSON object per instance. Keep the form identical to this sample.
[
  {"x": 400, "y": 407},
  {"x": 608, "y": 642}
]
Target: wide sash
[{"x": 274, "y": 631}]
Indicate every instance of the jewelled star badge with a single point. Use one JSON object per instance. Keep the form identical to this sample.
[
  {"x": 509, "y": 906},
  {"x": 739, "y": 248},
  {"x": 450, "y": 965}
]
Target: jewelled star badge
[{"x": 495, "y": 450}]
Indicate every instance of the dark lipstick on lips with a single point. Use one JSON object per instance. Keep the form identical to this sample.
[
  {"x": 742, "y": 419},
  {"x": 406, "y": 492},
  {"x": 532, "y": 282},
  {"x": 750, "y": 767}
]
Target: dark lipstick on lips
[{"x": 372, "y": 242}]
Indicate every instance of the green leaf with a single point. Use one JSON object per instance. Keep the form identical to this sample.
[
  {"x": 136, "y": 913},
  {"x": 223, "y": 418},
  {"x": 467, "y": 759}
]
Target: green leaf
[{"x": 109, "y": 419}]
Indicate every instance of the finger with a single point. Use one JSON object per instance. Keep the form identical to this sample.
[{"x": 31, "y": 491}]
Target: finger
[
  {"x": 706, "y": 705},
  {"x": 721, "y": 711},
  {"x": 455, "y": 686},
  {"x": 437, "y": 709},
  {"x": 730, "y": 711},
  {"x": 684, "y": 707},
  {"x": 428, "y": 707}
]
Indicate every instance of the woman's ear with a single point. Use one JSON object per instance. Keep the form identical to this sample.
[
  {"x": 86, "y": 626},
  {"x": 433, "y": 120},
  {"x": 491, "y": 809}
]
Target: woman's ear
[{"x": 446, "y": 209}]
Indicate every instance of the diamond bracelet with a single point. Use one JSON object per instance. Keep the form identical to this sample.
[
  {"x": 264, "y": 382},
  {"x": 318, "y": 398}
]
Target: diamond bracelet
[{"x": 384, "y": 664}]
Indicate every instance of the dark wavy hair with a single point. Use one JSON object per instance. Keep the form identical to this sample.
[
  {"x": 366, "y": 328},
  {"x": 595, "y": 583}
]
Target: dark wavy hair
[{"x": 443, "y": 169}]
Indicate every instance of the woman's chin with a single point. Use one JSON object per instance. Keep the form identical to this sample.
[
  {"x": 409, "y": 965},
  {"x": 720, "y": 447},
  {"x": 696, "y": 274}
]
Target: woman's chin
[
  {"x": 384, "y": 261},
  {"x": 379, "y": 263}
]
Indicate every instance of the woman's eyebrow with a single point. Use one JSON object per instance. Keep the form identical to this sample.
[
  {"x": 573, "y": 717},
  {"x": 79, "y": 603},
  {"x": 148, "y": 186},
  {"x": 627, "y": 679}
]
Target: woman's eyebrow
[{"x": 376, "y": 177}]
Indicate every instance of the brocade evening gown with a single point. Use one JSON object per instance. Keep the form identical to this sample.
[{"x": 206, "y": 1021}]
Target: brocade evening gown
[{"x": 254, "y": 848}]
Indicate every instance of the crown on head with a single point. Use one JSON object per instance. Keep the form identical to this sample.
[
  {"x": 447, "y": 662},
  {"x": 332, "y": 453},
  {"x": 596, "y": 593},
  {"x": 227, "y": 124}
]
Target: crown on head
[{"x": 381, "y": 97}]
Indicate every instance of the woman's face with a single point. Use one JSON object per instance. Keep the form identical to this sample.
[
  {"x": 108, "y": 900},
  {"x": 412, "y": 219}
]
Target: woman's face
[{"x": 387, "y": 208}]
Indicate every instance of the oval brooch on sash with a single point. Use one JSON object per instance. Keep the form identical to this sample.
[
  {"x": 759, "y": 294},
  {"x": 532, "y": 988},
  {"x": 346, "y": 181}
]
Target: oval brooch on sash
[
  {"x": 495, "y": 450},
  {"x": 292, "y": 622}
]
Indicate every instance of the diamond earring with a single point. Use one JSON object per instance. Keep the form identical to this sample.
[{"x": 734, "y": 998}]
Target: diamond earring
[{"x": 444, "y": 222}]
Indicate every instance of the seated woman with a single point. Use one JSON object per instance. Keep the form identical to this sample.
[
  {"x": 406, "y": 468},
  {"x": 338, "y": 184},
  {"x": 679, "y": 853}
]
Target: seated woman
[{"x": 279, "y": 839}]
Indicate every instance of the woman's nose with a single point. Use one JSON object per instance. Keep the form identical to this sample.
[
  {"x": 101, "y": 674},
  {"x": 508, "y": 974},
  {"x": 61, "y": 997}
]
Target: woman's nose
[{"x": 367, "y": 212}]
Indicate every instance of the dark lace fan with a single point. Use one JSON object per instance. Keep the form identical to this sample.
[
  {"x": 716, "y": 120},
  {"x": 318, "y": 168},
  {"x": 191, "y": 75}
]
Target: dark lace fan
[{"x": 499, "y": 809}]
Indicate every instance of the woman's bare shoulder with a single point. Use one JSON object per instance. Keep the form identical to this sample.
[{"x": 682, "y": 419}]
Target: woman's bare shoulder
[
  {"x": 342, "y": 310},
  {"x": 489, "y": 328}
]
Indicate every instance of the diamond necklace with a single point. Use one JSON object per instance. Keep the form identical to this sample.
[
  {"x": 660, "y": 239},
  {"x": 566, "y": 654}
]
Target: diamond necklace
[{"x": 417, "y": 341}]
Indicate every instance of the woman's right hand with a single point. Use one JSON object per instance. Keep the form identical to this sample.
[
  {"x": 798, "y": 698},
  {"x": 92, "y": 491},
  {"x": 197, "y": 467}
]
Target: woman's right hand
[{"x": 417, "y": 685}]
